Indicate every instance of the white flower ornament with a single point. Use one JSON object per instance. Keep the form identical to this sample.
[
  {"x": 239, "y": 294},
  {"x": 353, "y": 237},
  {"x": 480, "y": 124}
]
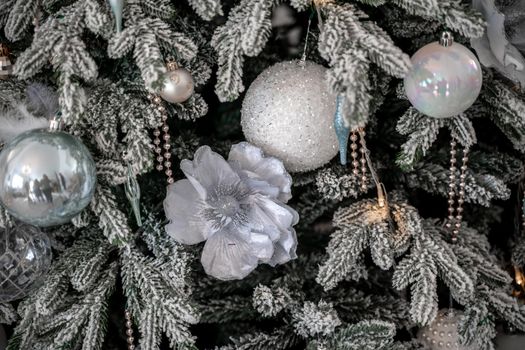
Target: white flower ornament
[{"x": 237, "y": 207}]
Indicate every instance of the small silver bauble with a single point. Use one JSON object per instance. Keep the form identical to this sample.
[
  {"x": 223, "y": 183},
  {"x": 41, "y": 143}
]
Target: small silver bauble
[
  {"x": 178, "y": 85},
  {"x": 443, "y": 334},
  {"x": 445, "y": 79},
  {"x": 46, "y": 177},
  {"x": 25, "y": 257},
  {"x": 288, "y": 111}
]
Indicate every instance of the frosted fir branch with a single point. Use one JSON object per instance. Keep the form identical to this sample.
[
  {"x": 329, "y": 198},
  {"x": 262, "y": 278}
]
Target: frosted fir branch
[
  {"x": 365, "y": 224},
  {"x": 226, "y": 310},
  {"x": 71, "y": 270},
  {"x": 473, "y": 253},
  {"x": 147, "y": 36},
  {"x": 359, "y": 305},
  {"x": 477, "y": 327},
  {"x": 20, "y": 18},
  {"x": 506, "y": 306},
  {"x": 506, "y": 109},
  {"x": 117, "y": 124},
  {"x": 348, "y": 42},
  {"x": 207, "y": 9},
  {"x": 8, "y": 313},
  {"x": 244, "y": 34},
  {"x": 354, "y": 28},
  {"x": 342, "y": 256},
  {"x": 11, "y": 91},
  {"x": 429, "y": 258},
  {"x": 281, "y": 339},
  {"x": 111, "y": 220},
  {"x": 52, "y": 318},
  {"x": 173, "y": 261},
  {"x": 153, "y": 301},
  {"x": 192, "y": 109},
  {"x": 86, "y": 319},
  {"x": 479, "y": 189},
  {"x": 314, "y": 320},
  {"x": 367, "y": 334},
  {"x": 58, "y": 40},
  {"x": 422, "y": 132},
  {"x": 456, "y": 16},
  {"x": 5, "y": 10},
  {"x": 373, "y": 2},
  {"x": 337, "y": 184},
  {"x": 518, "y": 252},
  {"x": 270, "y": 302},
  {"x": 158, "y": 8},
  {"x": 300, "y": 5}
]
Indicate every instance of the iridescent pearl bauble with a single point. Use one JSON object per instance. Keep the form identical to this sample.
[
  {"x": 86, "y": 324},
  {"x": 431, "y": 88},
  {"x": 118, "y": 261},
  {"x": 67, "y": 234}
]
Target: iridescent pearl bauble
[
  {"x": 443, "y": 81},
  {"x": 46, "y": 177},
  {"x": 443, "y": 334},
  {"x": 178, "y": 86},
  {"x": 25, "y": 257},
  {"x": 288, "y": 111}
]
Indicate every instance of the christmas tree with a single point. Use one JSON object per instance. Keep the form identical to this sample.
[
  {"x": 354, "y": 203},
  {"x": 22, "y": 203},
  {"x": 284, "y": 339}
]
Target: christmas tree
[{"x": 220, "y": 216}]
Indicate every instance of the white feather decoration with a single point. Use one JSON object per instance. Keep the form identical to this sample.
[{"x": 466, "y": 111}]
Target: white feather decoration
[{"x": 18, "y": 120}]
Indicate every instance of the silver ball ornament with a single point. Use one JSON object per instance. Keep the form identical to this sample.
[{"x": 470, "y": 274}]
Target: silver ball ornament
[
  {"x": 443, "y": 334},
  {"x": 178, "y": 86},
  {"x": 46, "y": 177},
  {"x": 444, "y": 80},
  {"x": 25, "y": 257},
  {"x": 288, "y": 112}
]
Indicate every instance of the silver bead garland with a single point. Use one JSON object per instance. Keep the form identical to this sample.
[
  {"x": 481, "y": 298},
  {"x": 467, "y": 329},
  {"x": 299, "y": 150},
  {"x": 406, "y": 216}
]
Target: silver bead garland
[
  {"x": 364, "y": 177},
  {"x": 162, "y": 147},
  {"x": 129, "y": 330},
  {"x": 456, "y": 194},
  {"x": 359, "y": 167}
]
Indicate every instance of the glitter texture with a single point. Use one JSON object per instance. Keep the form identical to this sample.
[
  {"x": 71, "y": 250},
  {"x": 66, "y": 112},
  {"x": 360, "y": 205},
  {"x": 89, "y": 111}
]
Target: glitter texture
[
  {"x": 444, "y": 81},
  {"x": 289, "y": 112}
]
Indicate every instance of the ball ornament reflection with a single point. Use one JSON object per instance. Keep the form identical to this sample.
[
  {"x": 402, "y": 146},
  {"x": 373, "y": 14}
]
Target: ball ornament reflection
[{"x": 46, "y": 177}]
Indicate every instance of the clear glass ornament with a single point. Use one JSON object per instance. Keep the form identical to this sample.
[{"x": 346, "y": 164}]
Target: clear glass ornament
[
  {"x": 25, "y": 257},
  {"x": 46, "y": 177},
  {"x": 445, "y": 79},
  {"x": 289, "y": 112}
]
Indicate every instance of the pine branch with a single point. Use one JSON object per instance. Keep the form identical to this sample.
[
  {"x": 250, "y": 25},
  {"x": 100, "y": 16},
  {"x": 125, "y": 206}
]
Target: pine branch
[{"x": 244, "y": 34}]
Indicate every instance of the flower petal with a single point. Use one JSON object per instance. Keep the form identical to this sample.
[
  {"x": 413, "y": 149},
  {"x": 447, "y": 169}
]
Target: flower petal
[
  {"x": 208, "y": 169},
  {"x": 275, "y": 220},
  {"x": 264, "y": 174},
  {"x": 285, "y": 248},
  {"x": 227, "y": 256},
  {"x": 182, "y": 208}
]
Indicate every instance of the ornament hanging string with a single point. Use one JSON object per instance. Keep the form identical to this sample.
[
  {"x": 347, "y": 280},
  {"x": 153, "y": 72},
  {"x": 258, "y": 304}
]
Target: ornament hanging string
[
  {"x": 382, "y": 198},
  {"x": 303, "y": 57}
]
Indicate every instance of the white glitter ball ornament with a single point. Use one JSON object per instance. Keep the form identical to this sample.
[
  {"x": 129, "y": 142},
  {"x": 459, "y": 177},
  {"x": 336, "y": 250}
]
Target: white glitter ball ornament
[
  {"x": 445, "y": 79},
  {"x": 288, "y": 111},
  {"x": 443, "y": 334}
]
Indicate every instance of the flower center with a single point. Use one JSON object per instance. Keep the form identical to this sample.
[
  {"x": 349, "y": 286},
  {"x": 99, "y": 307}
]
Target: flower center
[{"x": 227, "y": 206}]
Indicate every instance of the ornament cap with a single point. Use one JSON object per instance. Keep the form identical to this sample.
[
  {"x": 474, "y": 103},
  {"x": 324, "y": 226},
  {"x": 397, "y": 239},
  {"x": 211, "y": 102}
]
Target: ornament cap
[
  {"x": 172, "y": 65},
  {"x": 446, "y": 39}
]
